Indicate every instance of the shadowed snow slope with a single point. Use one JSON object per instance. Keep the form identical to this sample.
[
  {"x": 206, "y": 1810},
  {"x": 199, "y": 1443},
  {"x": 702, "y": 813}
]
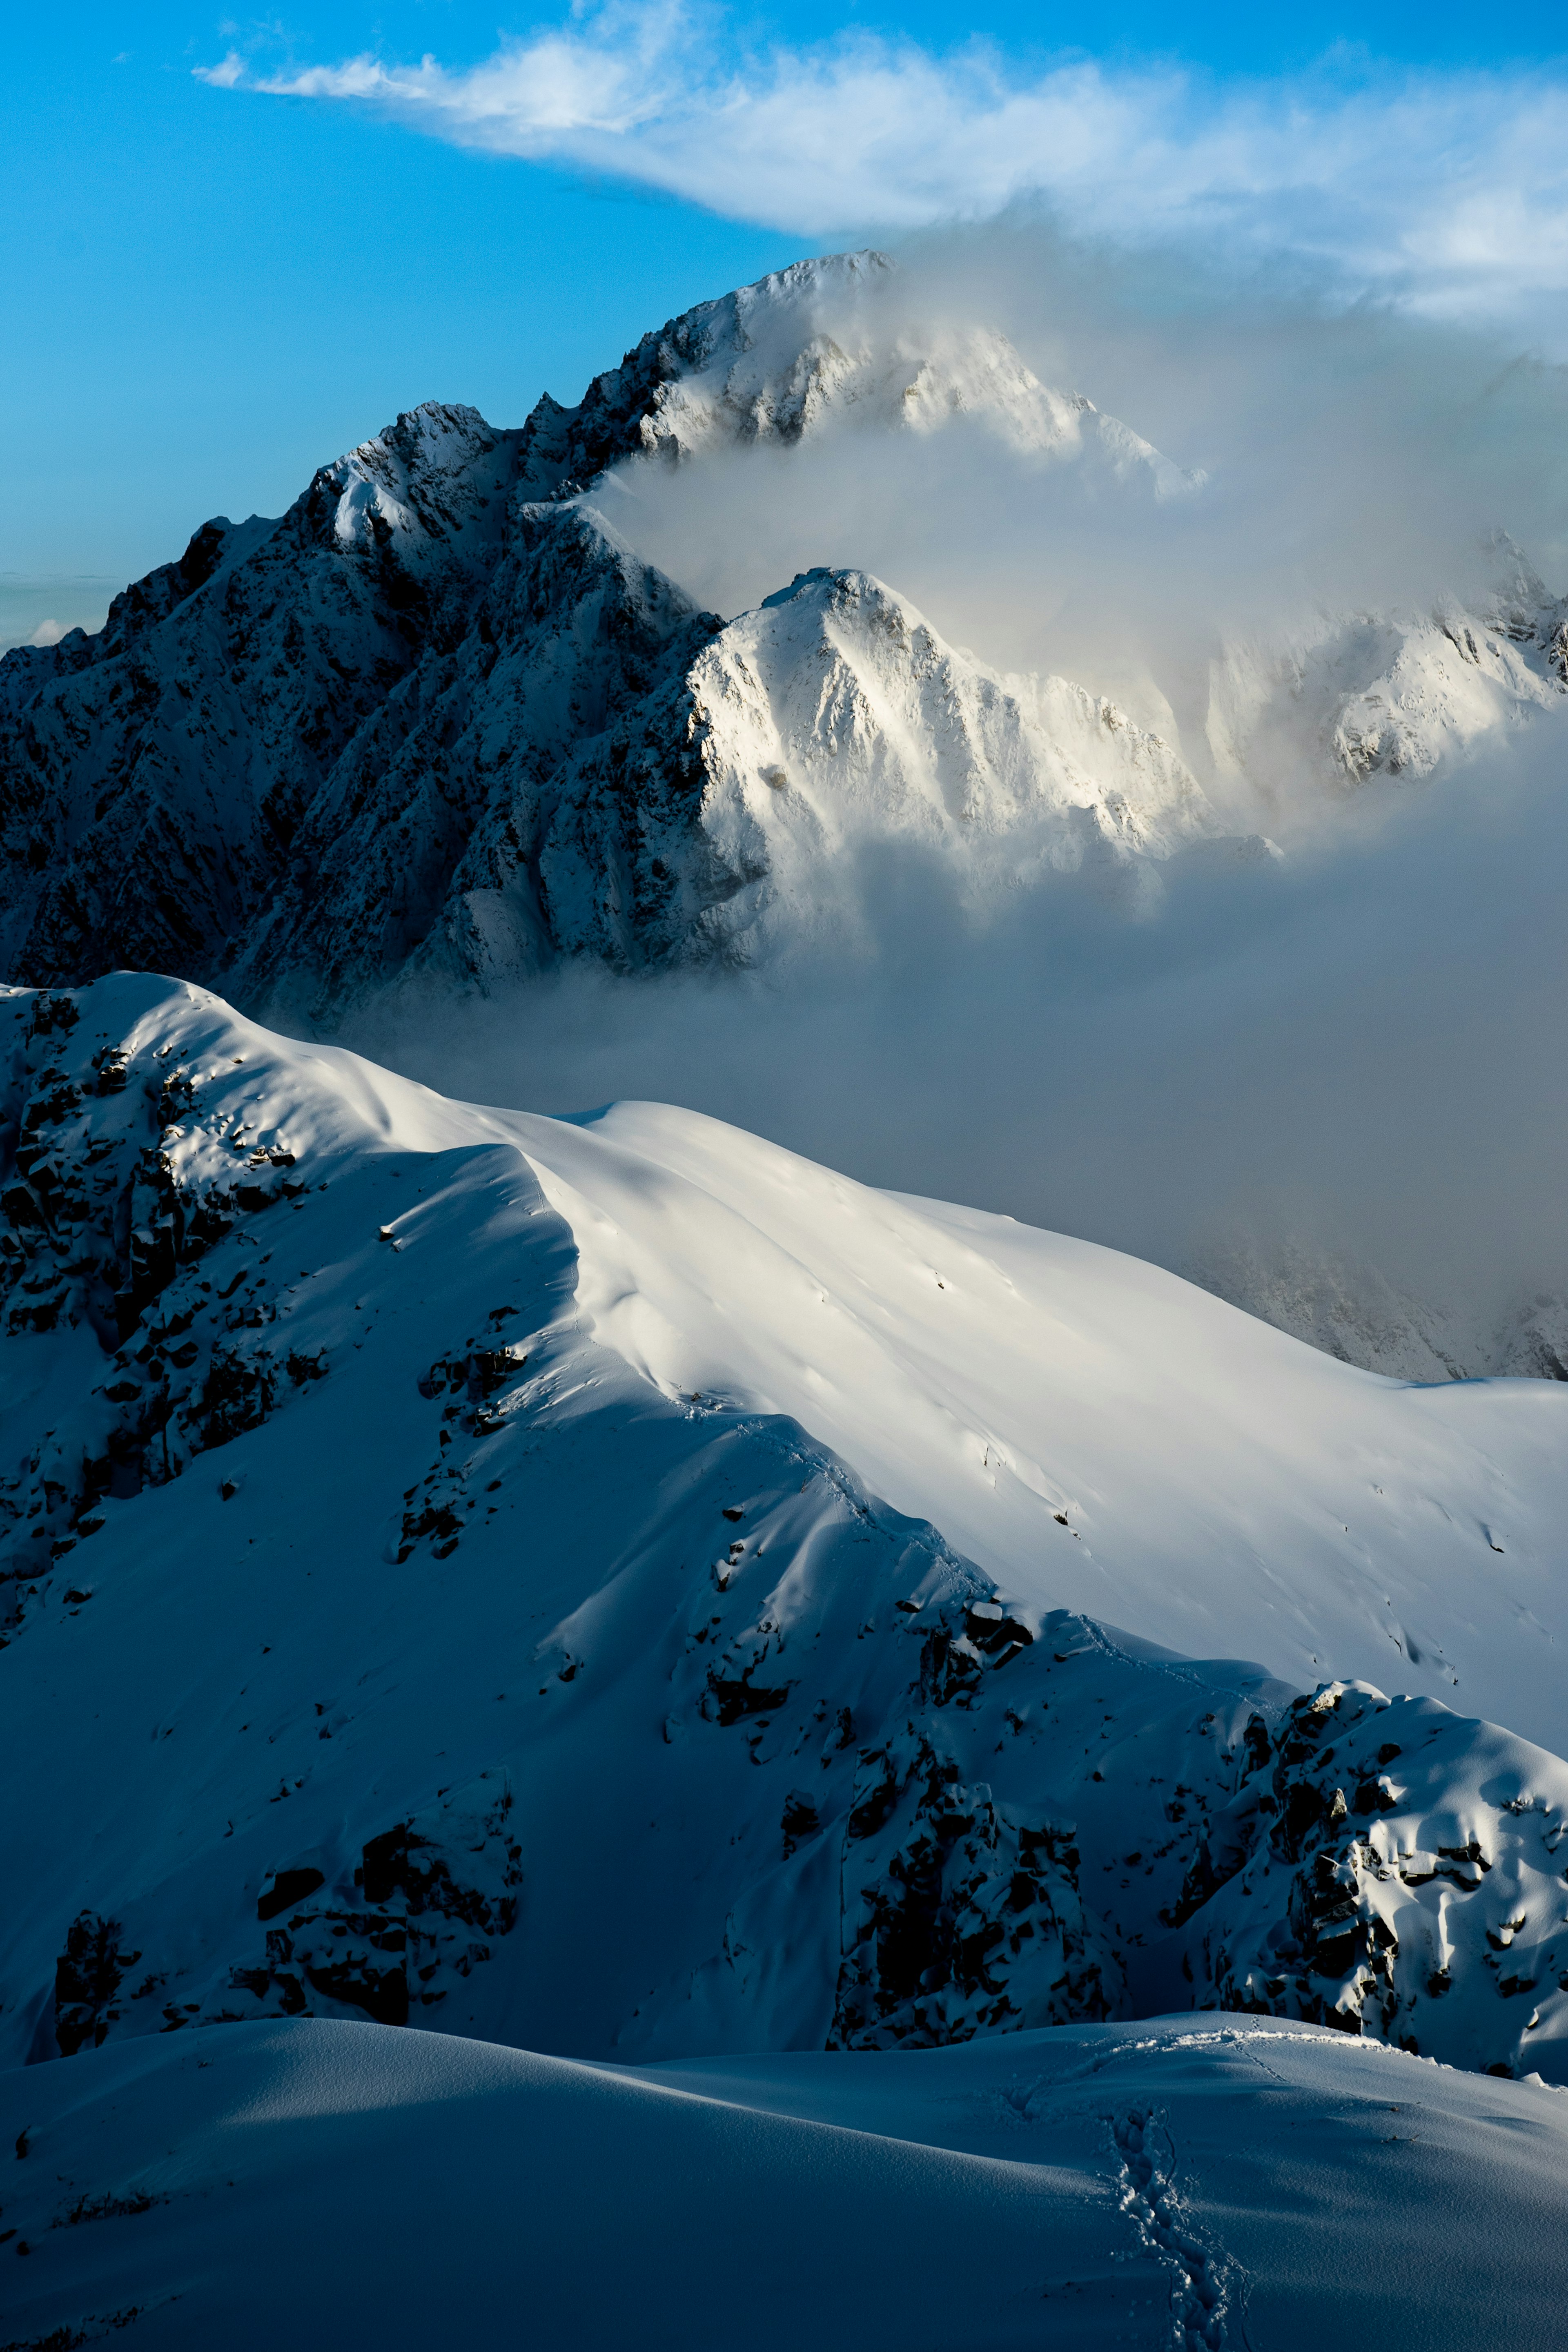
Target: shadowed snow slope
[
  {"x": 611, "y": 1585},
  {"x": 1085, "y": 2187}
]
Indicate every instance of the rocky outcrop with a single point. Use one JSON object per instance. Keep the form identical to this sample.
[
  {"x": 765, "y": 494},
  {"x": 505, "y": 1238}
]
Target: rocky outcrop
[{"x": 110, "y": 1208}]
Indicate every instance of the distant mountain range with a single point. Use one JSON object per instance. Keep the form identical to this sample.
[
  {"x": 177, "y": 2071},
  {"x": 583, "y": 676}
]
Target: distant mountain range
[{"x": 441, "y": 718}]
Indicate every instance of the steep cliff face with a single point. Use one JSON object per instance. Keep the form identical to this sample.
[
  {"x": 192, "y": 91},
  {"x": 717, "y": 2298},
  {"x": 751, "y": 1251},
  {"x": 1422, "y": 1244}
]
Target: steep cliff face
[{"x": 458, "y": 777}]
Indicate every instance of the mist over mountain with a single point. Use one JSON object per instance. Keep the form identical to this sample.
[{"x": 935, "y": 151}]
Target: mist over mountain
[
  {"x": 472, "y": 714},
  {"x": 645, "y": 1061}
]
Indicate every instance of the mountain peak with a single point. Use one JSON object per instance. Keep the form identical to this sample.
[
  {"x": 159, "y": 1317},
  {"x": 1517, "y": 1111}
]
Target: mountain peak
[{"x": 823, "y": 344}]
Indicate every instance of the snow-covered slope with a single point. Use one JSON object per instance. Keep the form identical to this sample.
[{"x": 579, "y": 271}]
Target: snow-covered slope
[
  {"x": 1087, "y": 2187},
  {"x": 1366, "y": 694},
  {"x": 610, "y": 1586}
]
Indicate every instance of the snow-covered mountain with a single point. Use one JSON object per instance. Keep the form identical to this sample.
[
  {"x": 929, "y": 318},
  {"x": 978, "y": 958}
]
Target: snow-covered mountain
[
  {"x": 579, "y": 764},
  {"x": 441, "y": 716},
  {"x": 609, "y": 1586},
  {"x": 810, "y": 348},
  {"x": 476, "y": 1585},
  {"x": 1375, "y": 694},
  {"x": 575, "y": 762}
]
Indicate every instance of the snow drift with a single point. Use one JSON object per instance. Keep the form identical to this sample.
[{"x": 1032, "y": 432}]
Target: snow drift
[{"x": 1215, "y": 2184}]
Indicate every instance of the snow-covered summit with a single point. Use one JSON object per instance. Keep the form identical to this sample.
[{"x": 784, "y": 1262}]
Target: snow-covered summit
[
  {"x": 432, "y": 488},
  {"x": 821, "y": 344},
  {"x": 831, "y": 722},
  {"x": 1360, "y": 694}
]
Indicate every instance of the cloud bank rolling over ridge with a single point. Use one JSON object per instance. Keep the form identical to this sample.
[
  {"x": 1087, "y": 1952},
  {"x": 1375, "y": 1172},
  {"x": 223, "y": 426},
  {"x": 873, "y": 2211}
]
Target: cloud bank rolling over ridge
[
  {"x": 1315, "y": 291},
  {"x": 1444, "y": 191}
]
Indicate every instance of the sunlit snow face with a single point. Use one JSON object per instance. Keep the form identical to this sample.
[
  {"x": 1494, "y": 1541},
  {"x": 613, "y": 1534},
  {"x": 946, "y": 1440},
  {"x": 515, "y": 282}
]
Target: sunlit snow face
[{"x": 1331, "y": 464}]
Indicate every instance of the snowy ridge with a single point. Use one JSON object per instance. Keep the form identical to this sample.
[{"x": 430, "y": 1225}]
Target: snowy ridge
[
  {"x": 1222, "y": 2184},
  {"x": 806, "y": 350},
  {"x": 472, "y": 1533},
  {"x": 1378, "y": 694},
  {"x": 440, "y": 716}
]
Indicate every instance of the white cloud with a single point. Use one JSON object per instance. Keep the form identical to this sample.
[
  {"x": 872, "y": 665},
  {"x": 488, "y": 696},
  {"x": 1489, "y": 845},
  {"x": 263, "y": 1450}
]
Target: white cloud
[
  {"x": 1449, "y": 192},
  {"x": 229, "y": 75}
]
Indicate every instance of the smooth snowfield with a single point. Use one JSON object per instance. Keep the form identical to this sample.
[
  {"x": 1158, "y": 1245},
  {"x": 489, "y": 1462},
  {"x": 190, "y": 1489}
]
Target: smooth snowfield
[
  {"x": 1224, "y": 2185},
  {"x": 1228, "y": 1490}
]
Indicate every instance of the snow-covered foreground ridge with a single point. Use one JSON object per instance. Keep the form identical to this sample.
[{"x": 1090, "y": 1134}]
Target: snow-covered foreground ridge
[
  {"x": 608, "y": 1585},
  {"x": 1195, "y": 2183}
]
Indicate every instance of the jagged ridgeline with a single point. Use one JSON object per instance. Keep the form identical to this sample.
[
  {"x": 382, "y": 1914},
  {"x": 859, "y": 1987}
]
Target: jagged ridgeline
[
  {"x": 478, "y": 1631},
  {"x": 442, "y": 717}
]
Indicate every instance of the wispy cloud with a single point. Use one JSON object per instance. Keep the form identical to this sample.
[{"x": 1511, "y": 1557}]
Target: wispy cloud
[{"x": 1447, "y": 191}]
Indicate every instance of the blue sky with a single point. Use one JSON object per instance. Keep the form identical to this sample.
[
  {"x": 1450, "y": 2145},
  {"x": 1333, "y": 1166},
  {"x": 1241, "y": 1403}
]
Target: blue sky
[{"x": 212, "y": 284}]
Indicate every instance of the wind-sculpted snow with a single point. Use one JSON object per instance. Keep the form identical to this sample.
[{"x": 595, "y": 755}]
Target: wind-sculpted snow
[
  {"x": 579, "y": 1583},
  {"x": 1214, "y": 2185}
]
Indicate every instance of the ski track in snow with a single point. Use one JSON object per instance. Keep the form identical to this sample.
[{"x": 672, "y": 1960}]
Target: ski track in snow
[{"x": 1294, "y": 2187}]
